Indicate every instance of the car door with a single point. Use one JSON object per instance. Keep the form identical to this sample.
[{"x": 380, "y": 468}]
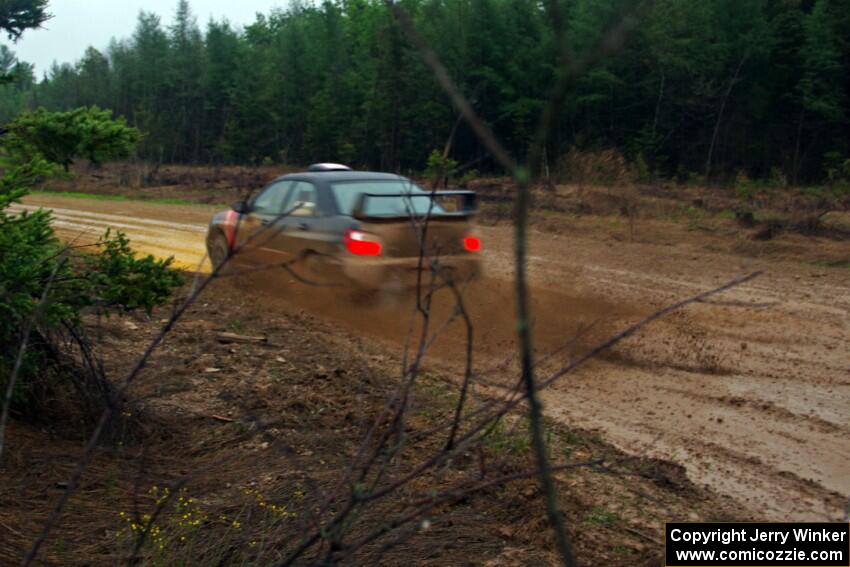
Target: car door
[
  {"x": 301, "y": 224},
  {"x": 257, "y": 233}
]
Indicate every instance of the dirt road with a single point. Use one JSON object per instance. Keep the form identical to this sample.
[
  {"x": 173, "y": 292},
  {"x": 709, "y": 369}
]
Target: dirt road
[{"x": 750, "y": 391}]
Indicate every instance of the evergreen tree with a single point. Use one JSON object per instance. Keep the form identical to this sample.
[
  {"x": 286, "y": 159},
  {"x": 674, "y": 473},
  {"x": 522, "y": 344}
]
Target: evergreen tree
[{"x": 699, "y": 88}]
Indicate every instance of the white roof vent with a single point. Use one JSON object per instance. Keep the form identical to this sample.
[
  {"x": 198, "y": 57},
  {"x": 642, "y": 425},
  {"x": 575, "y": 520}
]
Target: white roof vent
[{"x": 328, "y": 167}]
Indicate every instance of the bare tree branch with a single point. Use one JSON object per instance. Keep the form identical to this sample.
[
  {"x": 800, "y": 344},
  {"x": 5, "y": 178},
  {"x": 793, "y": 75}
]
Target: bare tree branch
[
  {"x": 108, "y": 411},
  {"x": 22, "y": 349},
  {"x": 609, "y": 42}
]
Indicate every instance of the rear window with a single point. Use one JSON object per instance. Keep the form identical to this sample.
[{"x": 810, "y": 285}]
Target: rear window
[{"x": 413, "y": 199}]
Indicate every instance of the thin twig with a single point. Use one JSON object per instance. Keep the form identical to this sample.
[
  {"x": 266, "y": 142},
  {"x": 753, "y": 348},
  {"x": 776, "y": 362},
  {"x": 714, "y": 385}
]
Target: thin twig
[
  {"x": 22, "y": 349},
  {"x": 141, "y": 363}
]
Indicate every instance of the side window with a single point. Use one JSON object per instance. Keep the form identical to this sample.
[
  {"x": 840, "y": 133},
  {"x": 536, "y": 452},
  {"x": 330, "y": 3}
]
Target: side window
[
  {"x": 270, "y": 201},
  {"x": 304, "y": 193}
]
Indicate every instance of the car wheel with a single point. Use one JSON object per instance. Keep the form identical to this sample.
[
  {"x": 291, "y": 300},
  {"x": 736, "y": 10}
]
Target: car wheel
[
  {"x": 219, "y": 250},
  {"x": 312, "y": 267}
]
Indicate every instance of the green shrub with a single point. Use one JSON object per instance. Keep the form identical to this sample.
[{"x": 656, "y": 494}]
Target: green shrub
[
  {"x": 108, "y": 277},
  {"x": 745, "y": 188},
  {"x": 116, "y": 278},
  {"x": 777, "y": 178},
  {"x": 437, "y": 167},
  {"x": 61, "y": 137},
  {"x": 468, "y": 177},
  {"x": 837, "y": 169}
]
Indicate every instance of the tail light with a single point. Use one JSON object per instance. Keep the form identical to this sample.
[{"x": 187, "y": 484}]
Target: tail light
[
  {"x": 472, "y": 244},
  {"x": 361, "y": 244}
]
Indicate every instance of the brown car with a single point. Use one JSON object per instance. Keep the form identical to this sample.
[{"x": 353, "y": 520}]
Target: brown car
[{"x": 366, "y": 230}]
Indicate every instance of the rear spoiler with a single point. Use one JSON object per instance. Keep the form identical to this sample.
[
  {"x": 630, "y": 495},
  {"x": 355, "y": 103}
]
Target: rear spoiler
[{"x": 469, "y": 205}]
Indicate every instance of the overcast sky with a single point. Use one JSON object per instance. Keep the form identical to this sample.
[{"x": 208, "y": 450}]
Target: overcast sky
[{"x": 78, "y": 24}]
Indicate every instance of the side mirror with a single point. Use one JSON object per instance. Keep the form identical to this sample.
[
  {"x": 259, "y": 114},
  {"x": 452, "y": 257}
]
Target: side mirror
[{"x": 240, "y": 207}]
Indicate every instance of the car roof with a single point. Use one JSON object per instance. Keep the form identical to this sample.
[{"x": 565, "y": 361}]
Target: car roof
[{"x": 338, "y": 176}]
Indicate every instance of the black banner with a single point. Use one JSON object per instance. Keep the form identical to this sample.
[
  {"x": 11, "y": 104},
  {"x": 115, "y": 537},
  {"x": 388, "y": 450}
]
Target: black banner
[{"x": 800, "y": 544}]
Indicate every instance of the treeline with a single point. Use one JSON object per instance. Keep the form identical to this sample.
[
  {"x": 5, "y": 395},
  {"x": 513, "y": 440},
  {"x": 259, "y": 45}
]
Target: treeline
[{"x": 717, "y": 89}]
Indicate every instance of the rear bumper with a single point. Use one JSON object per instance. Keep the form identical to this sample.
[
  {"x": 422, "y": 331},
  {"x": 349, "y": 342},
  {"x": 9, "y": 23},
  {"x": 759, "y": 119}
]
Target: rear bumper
[{"x": 403, "y": 273}]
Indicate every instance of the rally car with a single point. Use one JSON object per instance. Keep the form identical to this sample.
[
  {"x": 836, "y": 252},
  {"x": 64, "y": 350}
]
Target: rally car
[{"x": 362, "y": 229}]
